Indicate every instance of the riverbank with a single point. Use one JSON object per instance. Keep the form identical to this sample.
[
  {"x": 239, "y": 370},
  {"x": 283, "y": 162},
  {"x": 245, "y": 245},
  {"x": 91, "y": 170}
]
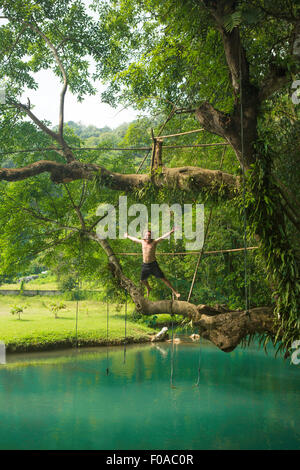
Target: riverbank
[
  {"x": 29, "y": 345},
  {"x": 39, "y": 330}
]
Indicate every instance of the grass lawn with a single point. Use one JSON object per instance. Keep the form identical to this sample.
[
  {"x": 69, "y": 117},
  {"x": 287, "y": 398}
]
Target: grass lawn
[
  {"x": 46, "y": 282},
  {"x": 34, "y": 285},
  {"x": 38, "y": 329}
]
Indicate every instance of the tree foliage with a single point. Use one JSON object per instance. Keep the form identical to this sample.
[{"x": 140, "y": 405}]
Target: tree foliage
[{"x": 226, "y": 65}]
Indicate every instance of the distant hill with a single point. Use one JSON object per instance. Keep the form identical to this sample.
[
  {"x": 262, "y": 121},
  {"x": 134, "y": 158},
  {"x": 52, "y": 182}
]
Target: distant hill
[
  {"x": 87, "y": 131},
  {"x": 95, "y": 134}
]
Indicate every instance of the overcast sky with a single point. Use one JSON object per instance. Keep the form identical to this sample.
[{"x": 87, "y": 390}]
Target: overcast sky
[{"x": 90, "y": 111}]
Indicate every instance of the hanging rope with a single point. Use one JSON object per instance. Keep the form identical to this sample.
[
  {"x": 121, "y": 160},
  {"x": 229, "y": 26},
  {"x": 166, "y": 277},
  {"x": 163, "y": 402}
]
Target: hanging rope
[
  {"x": 125, "y": 335},
  {"x": 196, "y": 270},
  {"x": 199, "y": 364},
  {"x": 249, "y": 294},
  {"x": 205, "y": 235},
  {"x": 200, "y": 257},
  {"x": 76, "y": 321},
  {"x": 78, "y": 287},
  {"x": 172, "y": 317},
  {"x": 244, "y": 184},
  {"x": 172, "y": 355},
  {"x": 107, "y": 319}
]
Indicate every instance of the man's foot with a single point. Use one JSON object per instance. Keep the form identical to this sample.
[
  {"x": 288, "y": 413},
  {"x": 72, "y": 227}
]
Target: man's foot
[{"x": 176, "y": 294}]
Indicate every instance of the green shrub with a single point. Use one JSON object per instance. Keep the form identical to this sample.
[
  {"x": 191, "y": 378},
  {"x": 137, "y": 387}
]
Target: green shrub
[{"x": 17, "y": 309}]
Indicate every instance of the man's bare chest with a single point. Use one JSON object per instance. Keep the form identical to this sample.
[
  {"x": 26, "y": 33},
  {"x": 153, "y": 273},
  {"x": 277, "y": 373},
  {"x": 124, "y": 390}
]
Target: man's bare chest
[{"x": 148, "y": 247}]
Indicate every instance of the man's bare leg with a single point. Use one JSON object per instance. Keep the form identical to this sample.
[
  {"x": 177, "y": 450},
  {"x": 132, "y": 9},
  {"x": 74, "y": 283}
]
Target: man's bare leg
[
  {"x": 146, "y": 283},
  {"x": 167, "y": 282}
]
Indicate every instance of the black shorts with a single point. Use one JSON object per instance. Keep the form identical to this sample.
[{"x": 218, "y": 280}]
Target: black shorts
[{"x": 149, "y": 269}]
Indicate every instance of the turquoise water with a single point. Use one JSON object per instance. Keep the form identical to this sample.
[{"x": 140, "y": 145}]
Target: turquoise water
[{"x": 65, "y": 400}]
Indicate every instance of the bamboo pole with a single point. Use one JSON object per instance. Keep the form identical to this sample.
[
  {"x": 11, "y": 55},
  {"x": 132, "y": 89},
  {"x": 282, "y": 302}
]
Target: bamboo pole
[
  {"x": 214, "y": 252},
  {"x": 181, "y": 133},
  {"x": 215, "y": 144}
]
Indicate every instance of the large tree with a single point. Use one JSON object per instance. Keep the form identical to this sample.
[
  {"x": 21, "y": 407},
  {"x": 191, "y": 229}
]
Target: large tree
[{"x": 222, "y": 61}]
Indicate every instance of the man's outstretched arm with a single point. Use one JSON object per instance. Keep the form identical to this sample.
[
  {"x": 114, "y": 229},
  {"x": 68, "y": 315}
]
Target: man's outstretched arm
[
  {"x": 164, "y": 236},
  {"x": 137, "y": 240}
]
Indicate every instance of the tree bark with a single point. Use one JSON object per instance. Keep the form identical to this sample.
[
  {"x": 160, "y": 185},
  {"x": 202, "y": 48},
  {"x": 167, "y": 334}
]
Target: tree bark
[
  {"x": 225, "y": 328},
  {"x": 186, "y": 178}
]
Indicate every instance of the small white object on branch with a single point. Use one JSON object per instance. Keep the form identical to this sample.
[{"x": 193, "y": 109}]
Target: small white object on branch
[{"x": 161, "y": 335}]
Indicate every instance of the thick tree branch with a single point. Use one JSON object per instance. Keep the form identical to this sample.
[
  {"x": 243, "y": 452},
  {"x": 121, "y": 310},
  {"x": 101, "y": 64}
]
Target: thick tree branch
[
  {"x": 228, "y": 329},
  {"x": 287, "y": 194},
  {"x": 291, "y": 215},
  {"x": 66, "y": 150},
  {"x": 280, "y": 76},
  {"x": 277, "y": 78},
  {"x": 185, "y": 178},
  {"x": 36, "y": 120},
  {"x": 234, "y": 51},
  {"x": 291, "y": 18},
  {"x": 225, "y": 328},
  {"x": 228, "y": 126},
  {"x": 213, "y": 120}
]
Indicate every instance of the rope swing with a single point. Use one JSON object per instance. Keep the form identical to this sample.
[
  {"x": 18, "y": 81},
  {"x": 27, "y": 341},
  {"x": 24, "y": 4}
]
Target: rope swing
[
  {"x": 172, "y": 354},
  {"x": 199, "y": 363},
  {"x": 172, "y": 347},
  {"x": 244, "y": 184},
  {"x": 125, "y": 333},
  {"x": 205, "y": 236},
  {"x": 107, "y": 320},
  {"x": 76, "y": 320},
  {"x": 78, "y": 287}
]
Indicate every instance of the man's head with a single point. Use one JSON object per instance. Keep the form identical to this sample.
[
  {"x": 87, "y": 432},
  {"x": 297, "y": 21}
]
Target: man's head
[{"x": 147, "y": 235}]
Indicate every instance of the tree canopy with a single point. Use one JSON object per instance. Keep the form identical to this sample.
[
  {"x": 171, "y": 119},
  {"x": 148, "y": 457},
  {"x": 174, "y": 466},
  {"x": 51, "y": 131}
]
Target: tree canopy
[{"x": 227, "y": 66}]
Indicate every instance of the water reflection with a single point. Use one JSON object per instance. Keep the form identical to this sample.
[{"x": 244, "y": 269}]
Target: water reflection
[{"x": 65, "y": 400}]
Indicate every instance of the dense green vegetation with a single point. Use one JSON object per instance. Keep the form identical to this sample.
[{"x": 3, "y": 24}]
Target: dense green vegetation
[
  {"x": 221, "y": 276},
  {"x": 224, "y": 66}
]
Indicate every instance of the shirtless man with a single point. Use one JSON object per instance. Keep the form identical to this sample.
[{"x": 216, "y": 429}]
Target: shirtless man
[{"x": 150, "y": 265}]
